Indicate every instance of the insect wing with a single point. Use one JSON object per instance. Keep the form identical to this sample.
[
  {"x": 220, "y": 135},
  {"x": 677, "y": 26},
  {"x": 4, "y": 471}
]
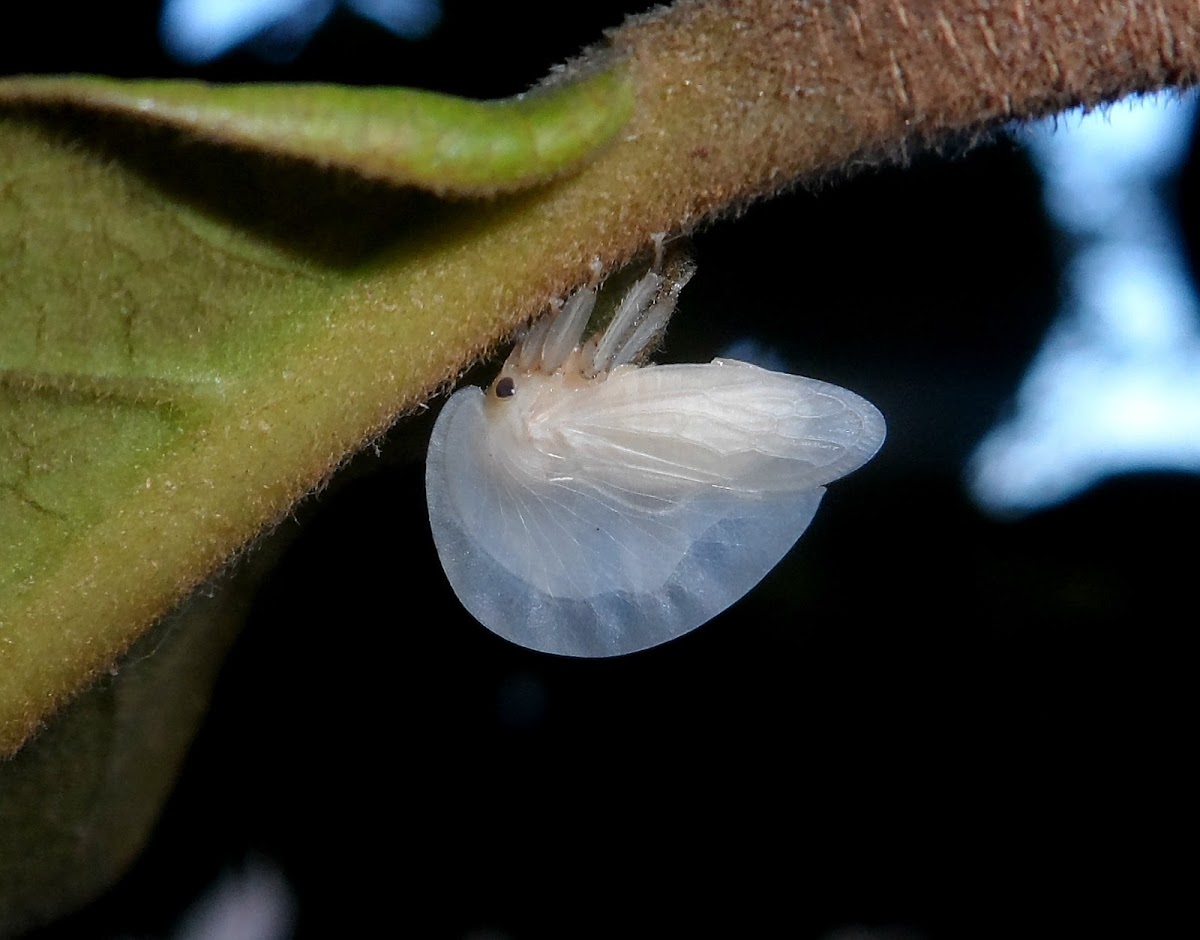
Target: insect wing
[
  {"x": 663, "y": 430},
  {"x": 672, "y": 491}
]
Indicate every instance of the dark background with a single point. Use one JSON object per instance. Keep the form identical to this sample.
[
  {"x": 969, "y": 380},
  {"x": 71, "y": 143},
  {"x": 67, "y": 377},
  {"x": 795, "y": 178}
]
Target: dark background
[{"x": 924, "y": 717}]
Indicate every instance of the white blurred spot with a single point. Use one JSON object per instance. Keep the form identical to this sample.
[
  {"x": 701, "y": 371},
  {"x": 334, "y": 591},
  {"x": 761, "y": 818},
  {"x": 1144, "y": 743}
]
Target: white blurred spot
[
  {"x": 253, "y": 904},
  {"x": 412, "y": 19},
  {"x": 754, "y": 351},
  {"x": 1116, "y": 385},
  {"x": 197, "y": 31}
]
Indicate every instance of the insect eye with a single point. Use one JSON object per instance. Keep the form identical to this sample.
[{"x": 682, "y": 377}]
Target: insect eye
[{"x": 506, "y": 388}]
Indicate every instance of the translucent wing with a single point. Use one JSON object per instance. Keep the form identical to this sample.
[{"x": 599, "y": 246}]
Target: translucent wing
[
  {"x": 654, "y": 500},
  {"x": 728, "y": 424}
]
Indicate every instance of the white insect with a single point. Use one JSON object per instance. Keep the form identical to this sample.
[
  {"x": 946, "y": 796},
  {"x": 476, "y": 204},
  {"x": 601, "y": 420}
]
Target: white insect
[{"x": 588, "y": 506}]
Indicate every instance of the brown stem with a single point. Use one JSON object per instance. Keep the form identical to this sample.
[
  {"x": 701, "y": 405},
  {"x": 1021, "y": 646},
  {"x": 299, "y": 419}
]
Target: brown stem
[{"x": 760, "y": 92}]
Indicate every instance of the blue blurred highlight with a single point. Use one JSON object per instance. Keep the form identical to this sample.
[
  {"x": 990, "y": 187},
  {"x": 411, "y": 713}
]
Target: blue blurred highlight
[
  {"x": 1115, "y": 387},
  {"x": 199, "y": 31}
]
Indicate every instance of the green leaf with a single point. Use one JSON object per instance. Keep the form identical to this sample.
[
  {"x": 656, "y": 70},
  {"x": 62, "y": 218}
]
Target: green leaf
[
  {"x": 401, "y": 135},
  {"x": 198, "y": 361},
  {"x": 79, "y": 801}
]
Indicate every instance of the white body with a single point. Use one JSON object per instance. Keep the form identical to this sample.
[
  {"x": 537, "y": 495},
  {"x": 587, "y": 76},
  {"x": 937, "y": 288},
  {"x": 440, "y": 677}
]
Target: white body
[{"x": 600, "y": 516}]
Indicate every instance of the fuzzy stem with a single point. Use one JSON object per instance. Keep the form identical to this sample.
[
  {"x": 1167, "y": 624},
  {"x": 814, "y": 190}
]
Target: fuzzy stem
[{"x": 840, "y": 83}]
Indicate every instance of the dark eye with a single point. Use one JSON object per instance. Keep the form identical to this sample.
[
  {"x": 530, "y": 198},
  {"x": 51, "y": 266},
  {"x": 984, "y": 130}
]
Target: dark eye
[{"x": 505, "y": 388}]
